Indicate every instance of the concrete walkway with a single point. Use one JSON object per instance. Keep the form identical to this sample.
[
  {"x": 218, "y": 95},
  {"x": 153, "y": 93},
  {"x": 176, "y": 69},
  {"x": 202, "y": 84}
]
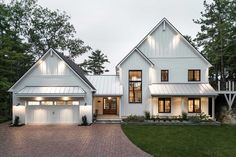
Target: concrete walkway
[{"x": 98, "y": 140}]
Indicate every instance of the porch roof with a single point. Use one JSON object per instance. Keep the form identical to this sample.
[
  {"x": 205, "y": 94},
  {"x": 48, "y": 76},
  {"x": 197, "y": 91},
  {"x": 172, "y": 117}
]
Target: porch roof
[
  {"x": 182, "y": 89},
  {"x": 51, "y": 91},
  {"x": 106, "y": 85}
]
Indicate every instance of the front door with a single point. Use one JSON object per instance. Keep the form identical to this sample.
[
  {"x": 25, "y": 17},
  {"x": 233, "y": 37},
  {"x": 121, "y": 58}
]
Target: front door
[{"x": 109, "y": 105}]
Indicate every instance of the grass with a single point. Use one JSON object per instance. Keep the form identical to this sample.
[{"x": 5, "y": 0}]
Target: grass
[{"x": 184, "y": 141}]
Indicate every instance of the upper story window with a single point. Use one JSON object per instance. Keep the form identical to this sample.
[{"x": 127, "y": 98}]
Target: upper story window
[
  {"x": 135, "y": 86},
  {"x": 164, "y": 105},
  {"x": 194, "y": 75},
  {"x": 194, "y": 105},
  {"x": 164, "y": 75}
]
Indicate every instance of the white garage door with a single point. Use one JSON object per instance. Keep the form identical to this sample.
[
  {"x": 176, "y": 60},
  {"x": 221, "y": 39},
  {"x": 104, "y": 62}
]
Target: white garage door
[{"x": 52, "y": 114}]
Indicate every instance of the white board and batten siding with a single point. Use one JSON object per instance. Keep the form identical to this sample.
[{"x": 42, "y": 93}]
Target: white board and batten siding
[
  {"x": 51, "y": 71},
  {"x": 134, "y": 62},
  {"x": 165, "y": 47},
  {"x": 168, "y": 50}
]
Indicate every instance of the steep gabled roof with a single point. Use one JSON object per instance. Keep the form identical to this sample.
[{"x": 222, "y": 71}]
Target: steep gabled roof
[
  {"x": 142, "y": 55},
  {"x": 166, "y": 21},
  {"x": 75, "y": 68}
]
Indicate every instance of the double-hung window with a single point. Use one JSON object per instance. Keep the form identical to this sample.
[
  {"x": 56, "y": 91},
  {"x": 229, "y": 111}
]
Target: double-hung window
[
  {"x": 194, "y": 105},
  {"x": 194, "y": 75},
  {"x": 135, "y": 86},
  {"x": 164, "y": 75},
  {"x": 164, "y": 105}
]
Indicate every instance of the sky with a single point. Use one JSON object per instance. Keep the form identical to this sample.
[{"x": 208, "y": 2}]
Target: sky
[{"x": 116, "y": 26}]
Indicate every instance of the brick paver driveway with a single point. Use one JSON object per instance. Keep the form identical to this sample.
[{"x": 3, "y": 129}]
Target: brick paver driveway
[{"x": 98, "y": 140}]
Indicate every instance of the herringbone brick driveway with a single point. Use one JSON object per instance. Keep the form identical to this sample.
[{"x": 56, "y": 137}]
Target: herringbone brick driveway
[{"x": 97, "y": 140}]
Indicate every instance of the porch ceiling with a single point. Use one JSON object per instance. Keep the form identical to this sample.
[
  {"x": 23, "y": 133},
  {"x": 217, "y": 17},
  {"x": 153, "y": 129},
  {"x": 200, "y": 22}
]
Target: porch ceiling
[
  {"x": 182, "y": 89},
  {"x": 28, "y": 91}
]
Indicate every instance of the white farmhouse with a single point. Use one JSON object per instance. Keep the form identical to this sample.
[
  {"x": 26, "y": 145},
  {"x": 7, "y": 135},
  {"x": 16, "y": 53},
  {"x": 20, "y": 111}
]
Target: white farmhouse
[{"x": 163, "y": 74}]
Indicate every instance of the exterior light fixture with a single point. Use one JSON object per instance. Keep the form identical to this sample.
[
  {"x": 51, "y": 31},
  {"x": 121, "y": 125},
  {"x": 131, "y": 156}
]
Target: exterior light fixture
[
  {"x": 38, "y": 98},
  {"x": 65, "y": 98}
]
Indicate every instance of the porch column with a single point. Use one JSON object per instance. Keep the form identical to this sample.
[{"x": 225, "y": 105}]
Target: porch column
[
  {"x": 182, "y": 104},
  {"x": 120, "y": 108},
  {"x": 213, "y": 108}
]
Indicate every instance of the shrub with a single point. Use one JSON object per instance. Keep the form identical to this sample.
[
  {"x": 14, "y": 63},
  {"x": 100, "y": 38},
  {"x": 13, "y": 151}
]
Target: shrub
[
  {"x": 184, "y": 116},
  {"x": 147, "y": 115},
  {"x": 153, "y": 118},
  {"x": 195, "y": 119},
  {"x": 134, "y": 118},
  {"x": 16, "y": 121},
  {"x": 84, "y": 120}
]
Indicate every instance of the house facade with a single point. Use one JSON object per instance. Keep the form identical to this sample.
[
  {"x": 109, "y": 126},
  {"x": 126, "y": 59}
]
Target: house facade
[{"x": 163, "y": 74}]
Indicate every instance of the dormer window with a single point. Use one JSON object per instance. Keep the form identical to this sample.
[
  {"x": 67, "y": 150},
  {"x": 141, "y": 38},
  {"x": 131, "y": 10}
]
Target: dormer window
[
  {"x": 194, "y": 75},
  {"x": 135, "y": 86},
  {"x": 164, "y": 75}
]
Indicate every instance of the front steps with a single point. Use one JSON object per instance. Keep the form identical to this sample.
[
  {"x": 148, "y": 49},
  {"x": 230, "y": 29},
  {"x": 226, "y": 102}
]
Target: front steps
[{"x": 108, "y": 121}]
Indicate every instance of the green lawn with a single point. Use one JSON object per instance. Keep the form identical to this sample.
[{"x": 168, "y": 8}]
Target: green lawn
[{"x": 184, "y": 141}]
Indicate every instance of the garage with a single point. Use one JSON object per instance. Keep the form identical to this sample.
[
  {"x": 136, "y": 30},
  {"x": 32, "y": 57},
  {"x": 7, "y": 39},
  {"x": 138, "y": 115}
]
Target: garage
[
  {"x": 52, "y": 114},
  {"x": 51, "y": 105}
]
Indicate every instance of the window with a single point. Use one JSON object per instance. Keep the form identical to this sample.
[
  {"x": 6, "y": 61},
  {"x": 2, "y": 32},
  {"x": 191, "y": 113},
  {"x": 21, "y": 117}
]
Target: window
[
  {"x": 59, "y": 102},
  {"x": 194, "y": 105},
  {"x": 47, "y": 102},
  {"x": 194, "y": 75},
  {"x": 72, "y": 103},
  {"x": 164, "y": 105},
  {"x": 164, "y": 75},
  {"x": 135, "y": 86},
  {"x": 33, "y": 103}
]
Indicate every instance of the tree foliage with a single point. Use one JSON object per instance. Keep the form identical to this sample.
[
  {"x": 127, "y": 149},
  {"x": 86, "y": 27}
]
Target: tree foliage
[
  {"x": 217, "y": 37},
  {"x": 43, "y": 28},
  {"x": 27, "y": 30},
  {"x": 95, "y": 63}
]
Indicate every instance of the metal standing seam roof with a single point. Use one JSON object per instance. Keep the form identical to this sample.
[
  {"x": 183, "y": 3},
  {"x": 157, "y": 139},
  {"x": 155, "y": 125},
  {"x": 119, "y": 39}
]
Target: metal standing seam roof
[
  {"x": 182, "y": 89},
  {"x": 51, "y": 91},
  {"x": 106, "y": 85}
]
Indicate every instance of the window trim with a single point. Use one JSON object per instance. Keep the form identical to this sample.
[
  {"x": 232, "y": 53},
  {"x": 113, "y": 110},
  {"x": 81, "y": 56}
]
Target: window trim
[
  {"x": 194, "y": 75},
  {"x": 136, "y": 82},
  {"x": 167, "y": 75},
  {"x": 200, "y": 106},
  {"x": 164, "y": 105}
]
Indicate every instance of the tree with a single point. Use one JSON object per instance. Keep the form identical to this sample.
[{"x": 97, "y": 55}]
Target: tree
[
  {"x": 95, "y": 63},
  {"x": 14, "y": 59},
  {"x": 190, "y": 40},
  {"x": 43, "y": 28},
  {"x": 217, "y": 37}
]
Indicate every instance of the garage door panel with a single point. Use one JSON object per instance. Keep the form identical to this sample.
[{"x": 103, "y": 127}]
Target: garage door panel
[{"x": 52, "y": 114}]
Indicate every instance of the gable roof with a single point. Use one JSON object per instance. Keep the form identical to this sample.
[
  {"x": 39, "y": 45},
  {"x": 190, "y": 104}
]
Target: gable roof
[
  {"x": 131, "y": 52},
  {"x": 75, "y": 68},
  {"x": 166, "y": 21}
]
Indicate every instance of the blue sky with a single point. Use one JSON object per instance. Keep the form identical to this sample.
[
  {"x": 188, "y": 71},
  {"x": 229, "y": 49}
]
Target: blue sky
[{"x": 116, "y": 26}]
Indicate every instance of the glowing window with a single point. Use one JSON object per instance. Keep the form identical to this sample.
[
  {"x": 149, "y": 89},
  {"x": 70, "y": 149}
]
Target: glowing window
[{"x": 33, "y": 103}]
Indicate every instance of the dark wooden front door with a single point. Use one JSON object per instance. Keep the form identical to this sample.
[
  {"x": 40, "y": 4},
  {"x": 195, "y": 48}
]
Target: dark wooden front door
[{"x": 109, "y": 105}]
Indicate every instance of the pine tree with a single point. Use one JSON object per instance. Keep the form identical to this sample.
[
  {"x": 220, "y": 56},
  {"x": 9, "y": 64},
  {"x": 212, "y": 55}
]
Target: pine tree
[
  {"x": 95, "y": 63},
  {"x": 217, "y": 37}
]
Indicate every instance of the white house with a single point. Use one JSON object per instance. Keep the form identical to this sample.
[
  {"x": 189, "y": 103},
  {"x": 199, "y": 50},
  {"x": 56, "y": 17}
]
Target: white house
[{"x": 163, "y": 74}]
